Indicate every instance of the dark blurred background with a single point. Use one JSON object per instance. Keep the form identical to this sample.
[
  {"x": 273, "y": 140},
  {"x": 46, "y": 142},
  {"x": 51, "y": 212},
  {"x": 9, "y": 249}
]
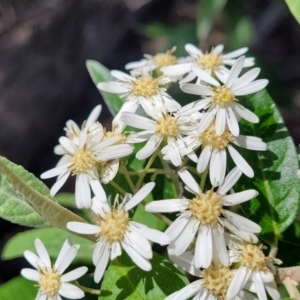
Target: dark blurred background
[{"x": 44, "y": 45}]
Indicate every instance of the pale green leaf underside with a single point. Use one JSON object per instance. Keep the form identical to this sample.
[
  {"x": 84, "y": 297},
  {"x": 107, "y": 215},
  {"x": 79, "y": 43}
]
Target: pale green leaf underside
[{"x": 294, "y": 6}]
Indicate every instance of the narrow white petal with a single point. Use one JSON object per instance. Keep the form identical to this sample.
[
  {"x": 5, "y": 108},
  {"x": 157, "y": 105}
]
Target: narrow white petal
[
  {"x": 237, "y": 198},
  {"x": 232, "y": 122},
  {"x": 245, "y": 113},
  {"x": 219, "y": 244},
  {"x": 272, "y": 290},
  {"x": 203, "y": 250},
  {"x": 259, "y": 286},
  {"x": 230, "y": 180},
  {"x": 235, "y": 53},
  {"x": 252, "y": 87},
  {"x": 218, "y": 49},
  {"x": 112, "y": 87},
  {"x": 240, "y": 162},
  {"x": 193, "y": 107},
  {"x": 83, "y": 228},
  {"x": 100, "y": 247},
  {"x": 64, "y": 249},
  {"x": 59, "y": 183},
  {"x": 93, "y": 116},
  {"x": 150, "y": 147},
  {"x": 167, "y": 206},
  {"x": 41, "y": 296},
  {"x": 249, "y": 143},
  {"x": 235, "y": 71},
  {"x": 55, "y": 171},
  {"x": 177, "y": 70},
  {"x": 114, "y": 152},
  {"x": 101, "y": 265},
  {"x": 73, "y": 275},
  {"x": 196, "y": 89},
  {"x": 82, "y": 139},
  {"x": 137, "y": 121},
  {"x": 217, "y": 167},
  {"x": 246, "y": 78},
  {"x": 206, "y": 120},
  {"x": 70, "y": 291},
  {"x": 33, "y": 259},
  {"x": 129, "y": 106},
  {"x": 83, "y": 197},
  {"x": 186, "y": 292},
  {"x": 192, "y": 50},
  {"x": 220, "y": 120},
  {"x": 42, "y": 252},
  {"x": 177, "y": 226},
  {"x": 140, "y": 261},
  {"x": 189, "y": 181},
  {"x": 204, "y": 159},
  {"x": 99, "y": 207},
  {"x": 188, "y": 78},
  {"x": 204, "y": 76},
  {"x": 185, "y": 261},
  {"x": 121, "y": 75},
  {"x": 98, "y": 189},
  {"x": 67, "y": 259},
  {"x": 30, "y": 274},
  {"x": 115, "y": 250},
  {"x": 139, "y": 196},
  {"x": 68, "y": 145},
  {"x": 267, "y": 276},
  {"x": 174, "y": 152}
]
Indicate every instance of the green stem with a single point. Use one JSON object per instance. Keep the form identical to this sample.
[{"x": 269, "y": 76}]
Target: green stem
[
  {"x": 87, "y": 290},
  {"x": 117, "y": 187},
  {"x": 159, "y": 216},
  {"x": 124, "y": 171},
  {"x": 203, "y": 179},
  {"x": 138, "y": 172}
]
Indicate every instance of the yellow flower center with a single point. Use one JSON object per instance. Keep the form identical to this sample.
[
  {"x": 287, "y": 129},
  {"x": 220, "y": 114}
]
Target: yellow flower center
[
  {"x": 167, "y": 126},
  {"x": 206, "y": 207},
  {"x": 210, "y": 137},
  {"x": 114, "y": 225},
  {"x": 222, "y": 96},
  {"x": 252, "y": 257},
  {"x": 145, "y": 86},
  {"x": 166, "y": 59},
  {"x": 209, "y": 61},
  {"x": 82, "y": 161},
  {"x": 216, "y": 280},
  {"x": 109, "y": 134},
  {"x": 49, "y": 282}
]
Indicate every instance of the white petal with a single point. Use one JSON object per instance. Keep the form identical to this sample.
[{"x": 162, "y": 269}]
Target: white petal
[
  {"x": 129, "y": 106},
  {"x": 150, "y": 147},
  {"x": 205, "y": 76},
  {"x": 188, "y": 78},
  {"x": 235, "y": 71},
  {"x": 232, "y": 122},
  {"x": 100, "y": 247},
  {"x": 73, "y": 275},
  {"x": 177, "y": 226},
  {"x": 115, "y": 250},
  {"x": 206, "y": 120},
  {"x": 230, "y": 180},
  {"x": 245, "y": 113},
  {"x": 137, "y": 121},
  {"x": 186, "y": 292},
  {"x": 249, "y": 143},
  {"x": 42, "y": 252},
  {"x": 185, "y": 261},
  {"x": 240, "y": 162},
  {"x": 140, "y": 261},
  {"x": 67, "y": 259},
  {"x": 41, "y": 296},
  {"x": 272, "y": 290},
  {"x": 189, "y": 180},
  {"x": 203, "y": 250},
  {"x": 192, "y": 50},
  {"x": 139, "y": 196},
  {"x": 246, "y": 78},
  {"x": 196, "y": 89},
  {"x": 93, "y": 116},
  {"x": 114, "y": 152},
  {"x": 267, "y": 276},
  {"x": 220, "y": 120},
  {"x": 167, "y": 206},
  {"x": 219, "y": 244},
  {"x": 30, "y": 274},
  {"x": 174, "y": 152},
  {"x": 235, "y": 53},
  {"x": 204, "y": 159},
  {"x": 218, "y": 49},
  {"x": 64, "y": 249},
  {"x": 55, "y": 171},
  {"x": 259, "y": 286},
  {"x": 112, "y": 87},
  {"x": 83, "y": 228},
  {"x": 217, "y": 167},
  {"x": 83, "y": 197},
  {"x": 33, "y": 259},
  {"x": 176, "y": 70},
  {"x": 237, "y": 198},
  {"x": 98, "y": 189},
  {"x": 67, "y": 144},
  {"x": 252, "y": 87},
  {"x": 193, "y": 107},
  {"x": 101, "y": 265},
  {"x": 59, "y": 183},
  {"x": 121, "y": 75},
  {"x": 70, "y": 291}
]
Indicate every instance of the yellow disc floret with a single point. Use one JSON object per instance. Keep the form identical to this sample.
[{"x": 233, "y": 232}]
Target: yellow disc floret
[
  {"x": 114, "y": 225},
  {"x": 145, "y": 86},
  {"x": 216, "y": 280},
  {"x": 252, "y": 257},
  {"x": 165, "y": 59},
  {"x": 222, "y": 95},
  {"x": 209, "y": 137},
  {"x": 209, "y": 61},
  {"x": 83, "y": 161},
  {"x": 49, "y": 282},
  {"x": 206, "y": 207},
  {"x": 167, "y": 126}
]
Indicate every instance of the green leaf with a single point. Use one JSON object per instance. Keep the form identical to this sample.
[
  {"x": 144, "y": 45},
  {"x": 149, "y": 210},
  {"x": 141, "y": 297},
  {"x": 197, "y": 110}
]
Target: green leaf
[
  {"x": 208, "y": 10},
  {"x": 32, "y": 196},
  {"x": 275, "y": 169},
  {"x": 99, "y": 73},
  {"x": 294, "y": 6},
  {"x": 18, "y": 288},
  {"x": 124, "y": 280},
  {"x": 53, "y": 239},
  {"x": 66, "y": 199}
]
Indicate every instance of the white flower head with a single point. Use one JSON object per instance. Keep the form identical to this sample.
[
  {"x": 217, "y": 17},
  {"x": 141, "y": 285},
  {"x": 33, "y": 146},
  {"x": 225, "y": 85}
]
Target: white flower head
[
  {"x": 214, "y": 151},
  {"x": 212, "y": 284},
  {"x": 213, "y": 63},
  {"x": 220, "y": 100},
  {"x": 81, "y": 160},
  {"x": 139, "y": 90},
  {"x": 255, "y": 271},
  {"x": 204, "y": 216},
  {"x": 52, "y": 283},
  {"x": 115, "y": 230},
  {"x": 162, "y": 127}
]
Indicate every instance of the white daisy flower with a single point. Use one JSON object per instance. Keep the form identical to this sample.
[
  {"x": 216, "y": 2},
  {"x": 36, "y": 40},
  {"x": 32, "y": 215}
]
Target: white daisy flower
[
  {"x": 81, "y": 160},
  {"x": 52, "y": 283},
  {"x": 214, "y": 152},
  {"x": 255, "y": 271},
  {"x": 115, "y": 230},
  {"x": 206, "y": 217},
  {"x": 220, "y": 100},
  {"x": 212, "y": 285},
  {"x": 162, "y": 127},
  {"x": 213, "y": 63},
  {"x": 139, "y": 90}
]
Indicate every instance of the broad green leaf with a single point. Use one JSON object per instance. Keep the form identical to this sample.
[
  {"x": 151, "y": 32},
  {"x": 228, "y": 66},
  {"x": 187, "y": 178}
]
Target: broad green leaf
[
  {"x": 66, "y": 199},
  {"x": 208, "y": 10},
  {"x": 31, "y": 194},
  {"x": 53, "y": 239},
  {"x": 124, "y": 280},
  {"x": 294, "y": 6},
  {"x": 99, "y": 73},
  {"x": 275, "y": 169},
  {"x": 18, "y": 288}
]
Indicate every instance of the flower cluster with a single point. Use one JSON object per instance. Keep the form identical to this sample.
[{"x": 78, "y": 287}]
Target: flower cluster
[{"x": 206, "y": 234}]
